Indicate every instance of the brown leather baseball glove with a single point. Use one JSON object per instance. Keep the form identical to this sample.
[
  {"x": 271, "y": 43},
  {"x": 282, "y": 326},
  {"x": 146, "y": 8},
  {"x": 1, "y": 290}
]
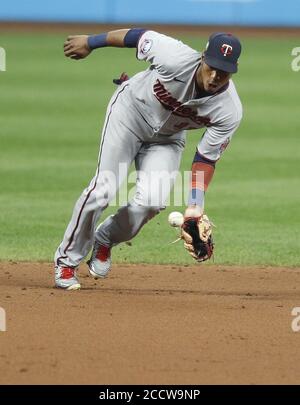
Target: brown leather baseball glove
[{"x": 197, "y": 235}]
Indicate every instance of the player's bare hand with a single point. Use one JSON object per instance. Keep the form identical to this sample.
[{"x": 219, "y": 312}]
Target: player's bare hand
[
  {"x": 193, "y": 211},
  {"x": 76, "y": 47}
]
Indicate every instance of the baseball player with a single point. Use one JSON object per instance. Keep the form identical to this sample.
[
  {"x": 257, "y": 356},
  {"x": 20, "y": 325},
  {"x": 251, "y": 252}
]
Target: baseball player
[{"x": 146, "y": 123}]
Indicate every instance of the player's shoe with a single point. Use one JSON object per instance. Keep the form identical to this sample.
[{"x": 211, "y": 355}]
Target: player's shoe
[
  {"x": 100, "y": 261},
  {"x": 65, "y": 277}
]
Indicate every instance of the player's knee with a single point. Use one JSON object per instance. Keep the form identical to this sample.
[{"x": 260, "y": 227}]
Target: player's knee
[
  {"x": 152, "y": 211},
  {"x": 146, "y": 211},
  {"x": 101, "y": 198}
]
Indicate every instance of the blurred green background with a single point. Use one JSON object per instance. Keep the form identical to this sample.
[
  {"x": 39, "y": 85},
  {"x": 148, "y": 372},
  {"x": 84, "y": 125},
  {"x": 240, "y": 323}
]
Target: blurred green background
[{"x": 51, "y": 115}]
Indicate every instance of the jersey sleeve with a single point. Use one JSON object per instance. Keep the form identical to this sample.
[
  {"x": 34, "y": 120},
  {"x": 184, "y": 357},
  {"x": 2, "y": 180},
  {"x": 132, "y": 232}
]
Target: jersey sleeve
[
  {"x": 215, "y": 140},
  {"x": 165, "y": 54}
]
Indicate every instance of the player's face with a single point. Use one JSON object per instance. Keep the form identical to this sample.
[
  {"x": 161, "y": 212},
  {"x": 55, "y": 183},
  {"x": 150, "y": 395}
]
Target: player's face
[{"x": 212, "y": 79}]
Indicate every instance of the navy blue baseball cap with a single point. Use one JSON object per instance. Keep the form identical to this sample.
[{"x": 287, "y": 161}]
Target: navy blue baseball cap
[{"x": 223, "y": 51}]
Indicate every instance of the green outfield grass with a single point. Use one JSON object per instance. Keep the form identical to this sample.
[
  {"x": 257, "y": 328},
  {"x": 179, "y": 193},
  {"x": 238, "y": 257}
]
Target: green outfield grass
[{"x": 51, "y": 113}]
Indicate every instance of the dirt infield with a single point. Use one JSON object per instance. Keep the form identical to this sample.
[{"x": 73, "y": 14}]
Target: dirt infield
[
  {"x": 67, "y": 28},
  {"x": 150, "y": 325}
]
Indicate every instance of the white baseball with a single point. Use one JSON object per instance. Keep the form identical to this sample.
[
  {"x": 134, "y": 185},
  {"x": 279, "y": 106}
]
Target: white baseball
[{"x": 175, "y": 219}]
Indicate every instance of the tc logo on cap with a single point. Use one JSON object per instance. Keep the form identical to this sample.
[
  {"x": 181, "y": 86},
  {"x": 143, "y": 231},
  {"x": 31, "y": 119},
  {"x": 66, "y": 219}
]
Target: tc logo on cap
[{"x": 226, "y": 49}]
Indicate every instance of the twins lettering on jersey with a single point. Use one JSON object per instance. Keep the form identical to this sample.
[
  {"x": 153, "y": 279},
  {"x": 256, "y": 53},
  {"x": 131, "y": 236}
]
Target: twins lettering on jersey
[{"x": 171, "y": 103}]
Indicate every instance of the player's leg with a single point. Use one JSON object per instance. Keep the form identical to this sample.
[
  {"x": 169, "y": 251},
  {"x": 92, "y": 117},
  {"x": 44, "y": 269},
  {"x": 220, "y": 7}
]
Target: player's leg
[
  {"x": 118, "y": 149},
  {"x": 157, "y": 166}
]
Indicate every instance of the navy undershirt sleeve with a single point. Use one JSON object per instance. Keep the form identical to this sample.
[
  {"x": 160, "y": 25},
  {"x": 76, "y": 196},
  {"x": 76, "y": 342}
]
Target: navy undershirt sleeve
[
  {"x": 202, "y": 159},
  {"x": 132, "y": 37}
]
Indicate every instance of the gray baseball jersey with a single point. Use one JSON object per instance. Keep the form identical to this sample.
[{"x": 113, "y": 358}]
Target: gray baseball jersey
[
  {"x": 165, "y": 95},
  {"x": 145, "y": 122}
]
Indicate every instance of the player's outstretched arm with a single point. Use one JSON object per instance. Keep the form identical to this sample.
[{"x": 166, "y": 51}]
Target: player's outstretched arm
[
  {"x": 202, "y": 174},
  {"x": 80, "y": 46},
  {"x": 196, "y": 230}
]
